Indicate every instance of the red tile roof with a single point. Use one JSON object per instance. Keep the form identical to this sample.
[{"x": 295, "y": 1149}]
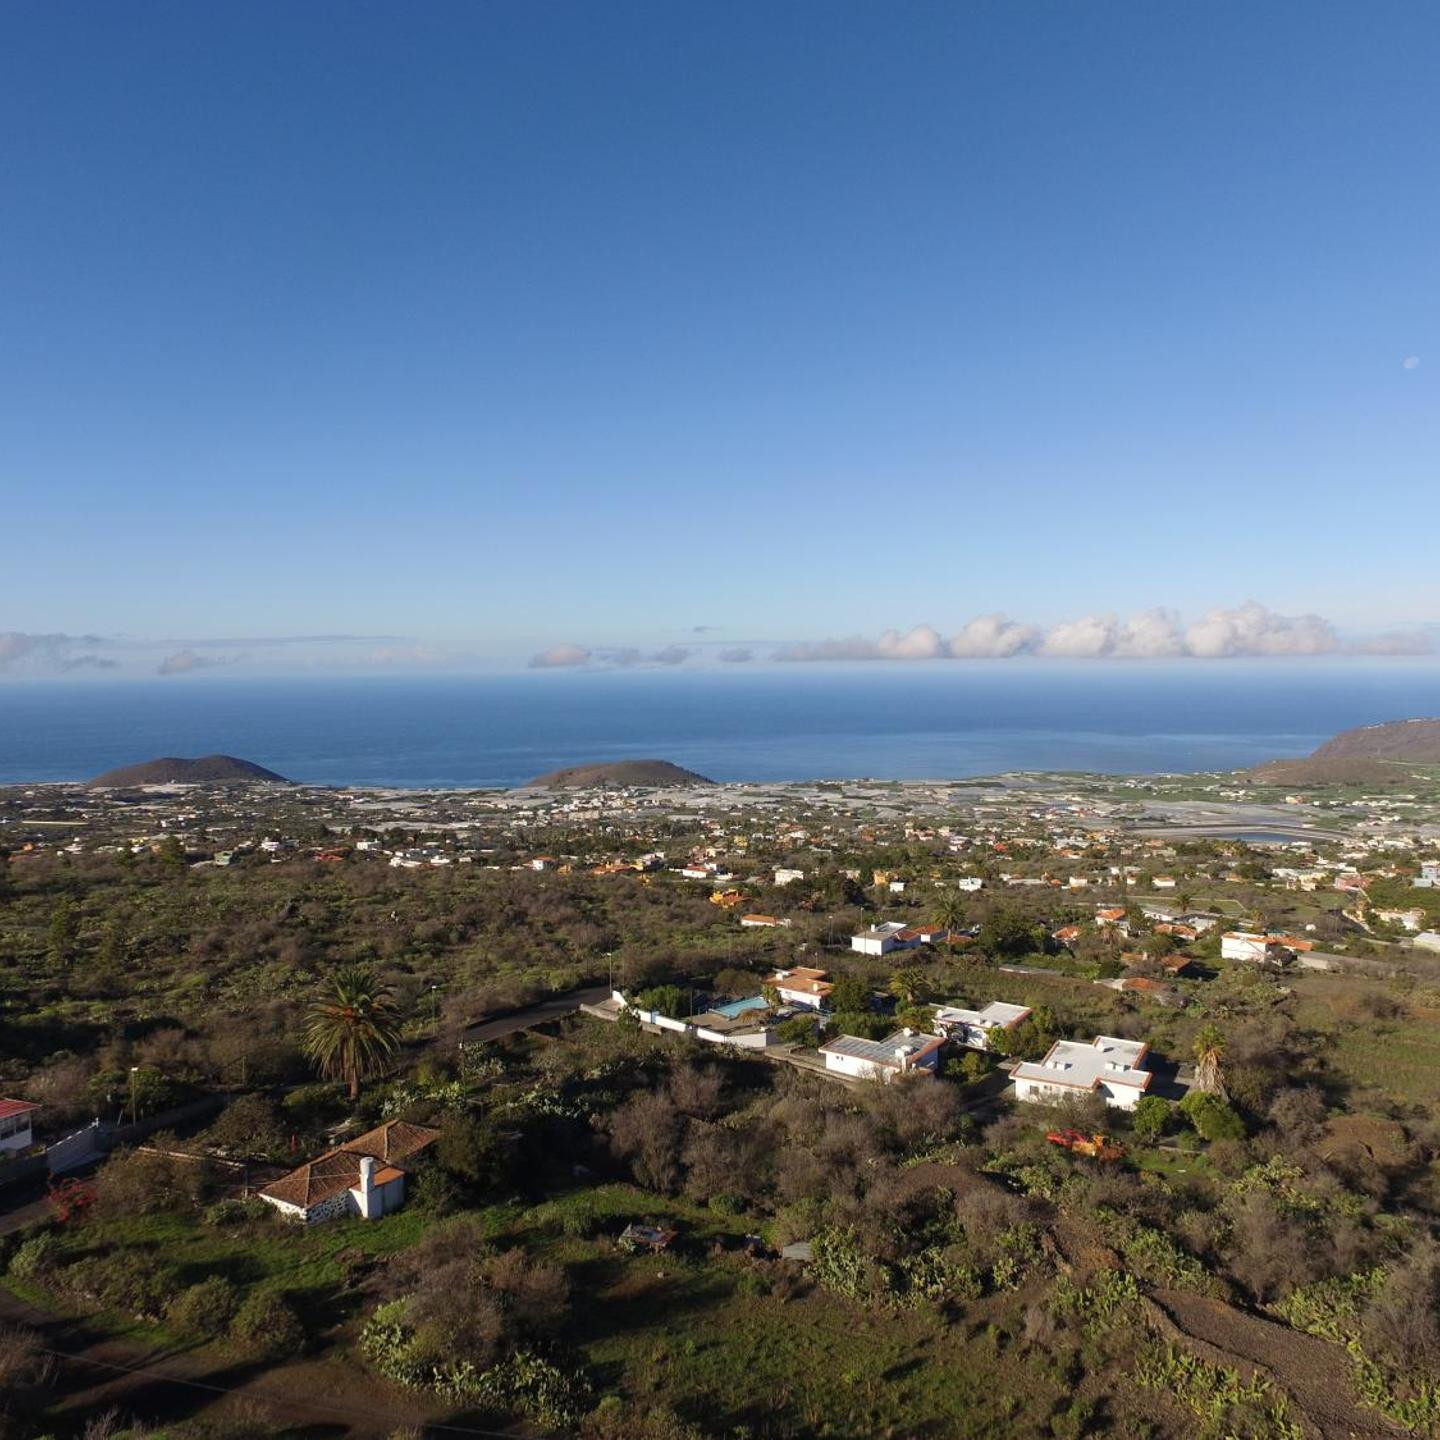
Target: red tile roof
[
  {"x": 9, "y": 1108},
  {"x": 317, "y": 1180}
]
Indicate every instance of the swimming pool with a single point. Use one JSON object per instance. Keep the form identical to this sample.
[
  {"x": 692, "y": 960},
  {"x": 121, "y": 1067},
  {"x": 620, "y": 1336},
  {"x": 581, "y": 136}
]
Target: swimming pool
[{"x": 732, "y": 1008}]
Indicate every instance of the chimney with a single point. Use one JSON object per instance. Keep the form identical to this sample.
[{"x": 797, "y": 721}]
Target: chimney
[{"x": 369, "y": 1200}]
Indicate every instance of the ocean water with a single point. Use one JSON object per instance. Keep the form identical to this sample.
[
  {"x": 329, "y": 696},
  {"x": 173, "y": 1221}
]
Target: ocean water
[{"x": 915, "y": 721}]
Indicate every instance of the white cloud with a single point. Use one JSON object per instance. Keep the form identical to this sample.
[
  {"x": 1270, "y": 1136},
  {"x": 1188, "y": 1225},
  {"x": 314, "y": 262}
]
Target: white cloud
[
  {"x": 1087, "y": 638},
  {"x": 558, "y": 657},
  {"x": 993, "y": 636},
  {"x": 1152, "y": 634},
  {"x": 921, "y": 643},
  {"x": 1252, "y": 629},
  {"x": 1411, "y": 362}
]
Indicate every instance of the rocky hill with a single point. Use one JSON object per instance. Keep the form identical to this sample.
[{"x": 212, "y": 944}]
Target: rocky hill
[
  {"x": 618, "y": 772},
  {"x": 1370, "y": 755},
  {"x": 177, "y": 770}
]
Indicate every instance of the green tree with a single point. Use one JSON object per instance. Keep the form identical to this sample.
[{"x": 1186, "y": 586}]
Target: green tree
[
  {"x": 350, "y": 1035},
  {"x": 1151, "y": 1117},
  {"x": 849, "y": 993},
  {"x": 909, "y": 984},
  {"x": 1212, "y": 1118},
  {"x": 665, "y": 999},
  {"x": 1008, "y": 934},
  {"x": 64, "y": 932}
]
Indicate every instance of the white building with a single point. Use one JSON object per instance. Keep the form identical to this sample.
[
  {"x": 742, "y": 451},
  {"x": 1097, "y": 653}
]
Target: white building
[
  {"x": 973, "y": 1027},
  {"x": 1115, "y": 1068},
  {"x": 879, "y": 939},
  {"x": 1242, "y": 945},
  {"x": 902, "y": 1053},
  {"x": 15, "y": 1132},
  {"x": 788, "y": 877},
  {"x": 802, "y": 986},
  {"x": 970, "y": 882}
]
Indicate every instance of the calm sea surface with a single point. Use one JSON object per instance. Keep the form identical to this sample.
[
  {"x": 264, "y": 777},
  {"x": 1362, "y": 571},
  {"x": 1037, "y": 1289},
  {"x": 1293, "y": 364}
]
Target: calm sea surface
[{"x": 891, "y": 721}]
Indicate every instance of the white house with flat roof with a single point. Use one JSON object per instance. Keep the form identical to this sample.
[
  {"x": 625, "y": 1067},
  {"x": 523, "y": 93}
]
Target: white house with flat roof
[
  {"x": 902, "y": 1053},
  {"x": 879, "y": 939},
  {"x": 1113, "y": 1067},
  {"x": 973, "y": 1027}
]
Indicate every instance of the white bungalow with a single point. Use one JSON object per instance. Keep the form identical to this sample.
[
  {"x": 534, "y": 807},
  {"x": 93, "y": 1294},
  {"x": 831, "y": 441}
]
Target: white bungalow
[
  {"x": 905, "y": 1052},
  {"x": 1113, "y": 1067},
  {"x": 973, "y": 1027}
]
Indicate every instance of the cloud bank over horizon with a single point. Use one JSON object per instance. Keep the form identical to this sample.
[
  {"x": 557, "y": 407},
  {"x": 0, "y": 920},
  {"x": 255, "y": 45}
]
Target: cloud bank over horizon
[{"x": 1245, "y": 631}]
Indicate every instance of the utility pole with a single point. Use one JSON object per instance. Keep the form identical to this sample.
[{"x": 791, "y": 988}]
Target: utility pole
[{"x": 134, "y": 1114}]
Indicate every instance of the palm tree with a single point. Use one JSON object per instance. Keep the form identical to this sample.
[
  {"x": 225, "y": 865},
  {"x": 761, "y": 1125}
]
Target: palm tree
[
  {"x": 908, "y": 985},
  {"x": 950, "y": 916},
  {"x": 349, "y": 1035},
  {"x": 1209, "y": 1052}
]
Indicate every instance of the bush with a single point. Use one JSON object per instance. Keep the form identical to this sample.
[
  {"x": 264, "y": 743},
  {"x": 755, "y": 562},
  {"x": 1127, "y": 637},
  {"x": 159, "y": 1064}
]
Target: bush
[
  {"x": 266, "y": 1324},
  {"x": 134, "y": 1282},
  {"x": 665, "y": 999},
  {"x": 797, "y": 1031},
  {"x": 313, "y": 1106},
  {"x": 1151, "y": 1117},
  {"x": 35, "y": 1257},
  {"x": 247, "y": 1126},
  {"x": 146, "y": 1182},
  {"x": 238, "y": 1212},
  {"x": 204, "y": 1309},
  {"x": 1212, "y": 1118}
]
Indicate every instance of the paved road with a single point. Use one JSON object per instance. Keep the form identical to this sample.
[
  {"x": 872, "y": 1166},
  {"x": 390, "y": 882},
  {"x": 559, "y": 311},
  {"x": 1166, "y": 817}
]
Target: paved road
[{"x": 556, "y": 1007}]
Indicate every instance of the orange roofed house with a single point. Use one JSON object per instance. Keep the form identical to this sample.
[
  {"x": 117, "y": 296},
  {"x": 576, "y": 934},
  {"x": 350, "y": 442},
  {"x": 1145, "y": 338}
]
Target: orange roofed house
[
  {"x": 802, "y": 986},
  {"x": 363, "y": 1177}
]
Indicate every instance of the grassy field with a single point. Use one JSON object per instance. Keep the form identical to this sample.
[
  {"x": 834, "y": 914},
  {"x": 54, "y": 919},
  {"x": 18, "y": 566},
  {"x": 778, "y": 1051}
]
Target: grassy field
[
  {"x": 714, "y": 1337},
  {"x": 1397, "y": 1054}
]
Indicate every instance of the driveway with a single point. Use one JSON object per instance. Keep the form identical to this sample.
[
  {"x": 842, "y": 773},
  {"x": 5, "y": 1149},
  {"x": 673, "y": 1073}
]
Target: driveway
[{"x": 555, "y": 1008}]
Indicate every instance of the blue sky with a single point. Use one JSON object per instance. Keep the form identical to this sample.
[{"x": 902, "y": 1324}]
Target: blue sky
[{"x": 474, "y": 330}]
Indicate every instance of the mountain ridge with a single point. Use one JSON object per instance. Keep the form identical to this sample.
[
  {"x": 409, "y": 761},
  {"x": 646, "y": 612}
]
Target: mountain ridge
[{"x": 1365, "y": 755}]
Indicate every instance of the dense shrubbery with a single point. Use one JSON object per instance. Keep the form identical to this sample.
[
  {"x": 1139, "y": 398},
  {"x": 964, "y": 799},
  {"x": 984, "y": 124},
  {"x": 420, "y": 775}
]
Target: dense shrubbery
[
  {"x": 266, "y": 1324},
  {"x": 205, "y": 1309}
]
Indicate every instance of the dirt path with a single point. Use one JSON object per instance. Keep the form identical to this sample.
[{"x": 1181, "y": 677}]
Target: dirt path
[{"x": 1314, "y": 1373}]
